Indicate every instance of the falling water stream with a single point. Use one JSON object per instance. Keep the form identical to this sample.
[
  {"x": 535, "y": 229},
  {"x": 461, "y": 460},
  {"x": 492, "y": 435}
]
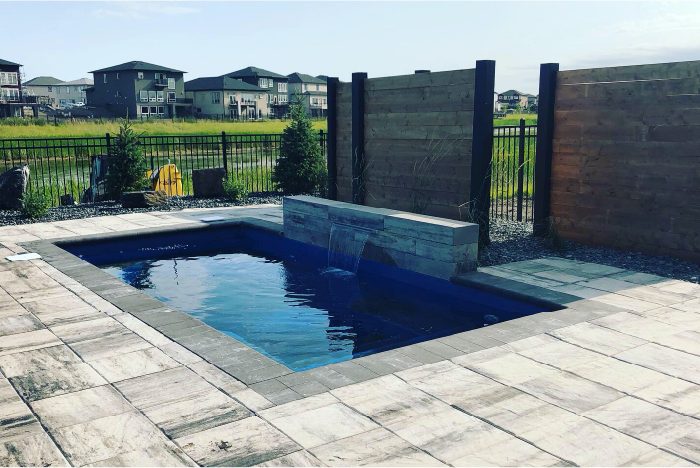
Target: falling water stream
[{"x": 345, "y": 246}]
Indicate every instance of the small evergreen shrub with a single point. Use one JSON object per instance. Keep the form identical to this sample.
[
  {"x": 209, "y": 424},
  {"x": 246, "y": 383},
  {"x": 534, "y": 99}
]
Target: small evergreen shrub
[
  {"x": 235, "y": 189},
  {"x": 127, "y": 166},
  {"x": 35, "y": 205},
  {"x": 301, "y": 168}
]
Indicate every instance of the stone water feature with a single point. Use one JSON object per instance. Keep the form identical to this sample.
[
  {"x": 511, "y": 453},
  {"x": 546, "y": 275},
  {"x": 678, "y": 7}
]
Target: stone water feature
[{"x": 424, "y": 244}]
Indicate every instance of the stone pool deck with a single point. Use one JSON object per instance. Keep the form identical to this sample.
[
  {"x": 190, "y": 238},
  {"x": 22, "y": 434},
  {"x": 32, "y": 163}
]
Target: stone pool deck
[{"x": 612, "y": 379}]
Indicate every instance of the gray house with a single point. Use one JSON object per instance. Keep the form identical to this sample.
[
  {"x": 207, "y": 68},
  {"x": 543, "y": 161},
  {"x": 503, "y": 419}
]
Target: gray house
[
  {"x": 309, "y": 91},
  {"x": 221, "y": 96},
  {"x": 274, "y": 83},
  {"x": 142, "y": 89}
]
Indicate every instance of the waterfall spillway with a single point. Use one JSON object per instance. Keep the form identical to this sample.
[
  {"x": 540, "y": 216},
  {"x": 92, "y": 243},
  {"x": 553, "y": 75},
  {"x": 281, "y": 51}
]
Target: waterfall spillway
[{"x": 345, "y": 246}]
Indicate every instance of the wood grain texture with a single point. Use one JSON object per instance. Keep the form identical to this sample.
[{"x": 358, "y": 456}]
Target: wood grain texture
[{"x": 626, "y": 158}]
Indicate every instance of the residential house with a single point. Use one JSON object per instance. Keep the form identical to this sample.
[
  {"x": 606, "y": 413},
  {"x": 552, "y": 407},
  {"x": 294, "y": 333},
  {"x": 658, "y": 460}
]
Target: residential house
[
  {"x": 276, "y": 85},
  {"x": 13, "y": 101},
  {"x": 54, "y": 92},
  {"x": 513, "y": 98},
  {"x": 221, "y": 96},
  {"x": 310, "y": 92},
  {"x": 497, "y": 105},
  {"x": 142, "y": 89}
]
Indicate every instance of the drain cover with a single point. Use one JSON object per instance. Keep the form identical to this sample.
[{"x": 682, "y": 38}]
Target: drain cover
[{"x": 24, "y": 256}]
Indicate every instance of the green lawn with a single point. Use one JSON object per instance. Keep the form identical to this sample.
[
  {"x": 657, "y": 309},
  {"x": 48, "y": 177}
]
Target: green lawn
[
  {"x": 514, "y": 119},
  {"x": 15, "y": 128}
]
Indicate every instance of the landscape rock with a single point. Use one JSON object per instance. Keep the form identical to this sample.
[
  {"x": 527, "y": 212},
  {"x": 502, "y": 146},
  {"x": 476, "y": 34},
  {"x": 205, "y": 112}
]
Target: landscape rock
[
  {"x": 208, "y": 183},
  {"x": 67, "y": 200},
  {"x": 13, "y": 185},
  {"x": 144, "y": 199}
]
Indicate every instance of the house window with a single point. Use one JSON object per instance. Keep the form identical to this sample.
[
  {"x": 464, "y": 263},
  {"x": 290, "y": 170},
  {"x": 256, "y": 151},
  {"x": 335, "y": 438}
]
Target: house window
[
  {"x": 50, "y": 90},
  {"x": 13, "y": 94},
  {"x": 144, "y": 110},
  {"x": 316, "y": 87},
  {"x": 283, "y": 98},
  {"x": 160, "y": 76},
  {"x": 216, "y": 98},
  {"x": 117, "y": 75},
  {"x": 262, "y": 82},
  {"x": 231, "y": 99},
  {"x": 140, "y": 75},
  {"x": 152, "y": 96},
  {"x": 281, "y": 87},
  {"x": 104, "y": 77},
  {"x": 67, "y": 89},
  {"x": 154, "y": 110},
  {"x": 324, "y": 102},
  {"x": 171, "y": 83},
  {"x": 161, "y": 110},
  {"x": 119, "y": 94},
  {"x": 171, "y": 97},
  {"x": 143, "y": 96},
  {"x": 58, "y": 90},
  {"x": 161, "y": 95}
]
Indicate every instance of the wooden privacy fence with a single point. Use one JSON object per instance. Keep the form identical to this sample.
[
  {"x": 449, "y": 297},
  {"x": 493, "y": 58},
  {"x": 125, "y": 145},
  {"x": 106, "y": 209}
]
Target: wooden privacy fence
[
  {"x": 419, "y": 143},
  {"x": 624, "y": 156}
]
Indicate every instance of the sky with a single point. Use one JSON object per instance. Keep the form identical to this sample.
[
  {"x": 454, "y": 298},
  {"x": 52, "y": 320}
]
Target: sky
[{"x": 69, "y": 39}]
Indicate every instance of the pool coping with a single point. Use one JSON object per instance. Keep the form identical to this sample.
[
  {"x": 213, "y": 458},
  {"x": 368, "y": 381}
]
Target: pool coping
[{"x": 260, "y": 372}]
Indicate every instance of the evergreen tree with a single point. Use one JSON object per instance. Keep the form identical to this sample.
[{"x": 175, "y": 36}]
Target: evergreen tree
[
  {"x": 301, "y": 168},
  {"x": 127, "y": 166}
]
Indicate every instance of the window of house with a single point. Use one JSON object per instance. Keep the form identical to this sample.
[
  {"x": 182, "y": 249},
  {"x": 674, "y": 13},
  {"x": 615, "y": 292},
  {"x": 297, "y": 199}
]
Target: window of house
[
  {"x": 283, "y": 98},
  {"x": 117, "y": 75},
  {"x": 143, "y": 95},
  {"x": 316, "y": 87},
  {"x": 314, "y": 101},
  {"x": 216, "y": 98},
  {"x": 140, "y": 75},
  {"x": 58, "y": 90},
  {"x": 281, "y": 87},
  {"x": 119, "y": 94},
  {"x": 161, "y": 110},
  {"x": 161, "y": 95},
  {"x": 171, "y": 97},
  {"x": 171, "y": 83},
  {"x": 67, "y": 89},
  {"x": 247, "y": 98},
  {"x": 152, "y": 96},
  {"x": 13, "y": 94},
  {"x": 231, "y": 98},
  {"x": 262, "y": 82},
  {"x": 104, "y": 78},
  {"x": 154, "y": 110},
  {"x": 144, "y": 110},
  {"x": 50, "y": 89},
  {"x": 324, "y": 102}
]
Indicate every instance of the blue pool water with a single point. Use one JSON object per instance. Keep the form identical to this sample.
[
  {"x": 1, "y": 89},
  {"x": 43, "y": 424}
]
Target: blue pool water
[{"x": 281, "y": 298}]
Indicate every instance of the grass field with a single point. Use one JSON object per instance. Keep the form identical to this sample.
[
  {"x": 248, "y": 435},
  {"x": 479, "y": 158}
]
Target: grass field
[
  {"x": 15, "y": 128},
  {"x": 514, "y": 119}
]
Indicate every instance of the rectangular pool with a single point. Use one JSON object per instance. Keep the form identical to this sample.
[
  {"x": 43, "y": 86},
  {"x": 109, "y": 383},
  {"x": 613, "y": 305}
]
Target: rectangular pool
[{"x": 280, "y": 297}]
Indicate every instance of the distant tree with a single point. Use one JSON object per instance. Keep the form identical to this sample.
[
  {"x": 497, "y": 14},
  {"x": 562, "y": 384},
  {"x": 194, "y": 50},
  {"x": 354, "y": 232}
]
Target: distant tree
[
  {"x": 127, "y": 166},
  {"x": 301, "y": 168}
]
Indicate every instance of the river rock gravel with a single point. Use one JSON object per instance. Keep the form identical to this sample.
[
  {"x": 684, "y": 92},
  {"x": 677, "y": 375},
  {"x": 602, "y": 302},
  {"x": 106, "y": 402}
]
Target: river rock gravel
[{"x": 513, "y": 241}]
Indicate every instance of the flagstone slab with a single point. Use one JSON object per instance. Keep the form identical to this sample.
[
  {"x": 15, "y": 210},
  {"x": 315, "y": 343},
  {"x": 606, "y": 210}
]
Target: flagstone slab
[
  {"x": 34, "y": 450},
  {"x": 680, "y": 319},
  {"x": 641, "y": 327},
  {"x": 135, "y": 364},
  {"x": 217, "y": 377},
  {"x": 512, "y": 369},
  {"x": 388, "y": 400},
  {"x": 512, "y": 452},
  {"x": 247, "y": 442},
  {"x": 80, "y": 407},
  {"x": 587, "y": 443},
  {"x": 687, "y": 447},
  {"x": 37, "y": 385},
  {"x": 89, "y": 330},
  {"x": 27, "y": 341},
  {"x": 120, "y": 342},
  {"x": 19, "y": 324},
  {"x": 645, "y": 421},
  {"x": 300, "y": 458},
  {"x": 596, "y": 338},
  {"x": 42, "y": 359},
  {"x": 378, "y": 447},
  {"x": 659, "y": 458},
  {"x": 675, "y": 394},
  {"x": 162, "y": 454},
  {"x": 107, "y": 437},
  {"x": 619, "y": 375},
  {"x": 569, "y": 391},
  {"x": 665, "y": 360},
  {"x": 252, "y": 400},
  {"x": 16, "y": 419},
  {"x": 561, "y": 355}
]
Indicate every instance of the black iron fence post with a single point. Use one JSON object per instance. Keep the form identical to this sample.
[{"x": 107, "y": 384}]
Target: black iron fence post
[
  {"x": 543, "y": 152},
  {"x": 521, "y": 164},
  {"x": 224, "y": 148},
  {"x": 331, "y": 144},
  {"x": 358, "y": 137}
]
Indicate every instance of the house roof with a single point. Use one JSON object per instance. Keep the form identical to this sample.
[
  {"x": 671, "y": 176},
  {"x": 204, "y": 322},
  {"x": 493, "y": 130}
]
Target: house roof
[
  {"x": 303, "y": 78},
  {"x": 80, "y": 81},
  {"x": 138, "y": 66},
  {"x": 43, "y": 81},
  {"x": 315, "y": 93},
  {"x": 7, "y": 62},
  {"x": 216, "y": 83},
  {"x": 254, "y": 71},
  {"x": 515, "y": 91},
  {"x": 323, "y": 77}
]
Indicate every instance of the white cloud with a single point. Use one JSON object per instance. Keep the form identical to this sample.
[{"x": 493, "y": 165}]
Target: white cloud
[{"x": 142, "y": 10}]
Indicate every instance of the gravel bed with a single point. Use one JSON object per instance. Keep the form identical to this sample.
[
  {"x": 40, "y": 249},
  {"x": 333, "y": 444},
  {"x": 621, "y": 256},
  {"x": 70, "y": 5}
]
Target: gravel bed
[
  {"x": 89, "y": 210},
  {"x": 512, "y": 241}
]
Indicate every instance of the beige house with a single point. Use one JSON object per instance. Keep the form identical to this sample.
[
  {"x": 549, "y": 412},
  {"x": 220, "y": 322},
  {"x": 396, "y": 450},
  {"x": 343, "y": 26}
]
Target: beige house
[
  {"x": 225, "y": 97},
  {"x": 54, "y": 92},
  {"x": 310, "y": 92}
]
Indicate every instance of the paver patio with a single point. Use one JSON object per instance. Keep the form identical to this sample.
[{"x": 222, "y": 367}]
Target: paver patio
[{"x": 96, "y": 375}]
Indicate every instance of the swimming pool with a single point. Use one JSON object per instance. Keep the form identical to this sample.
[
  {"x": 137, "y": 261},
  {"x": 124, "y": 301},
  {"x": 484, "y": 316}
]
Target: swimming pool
[{"x": 281, "y": 298}]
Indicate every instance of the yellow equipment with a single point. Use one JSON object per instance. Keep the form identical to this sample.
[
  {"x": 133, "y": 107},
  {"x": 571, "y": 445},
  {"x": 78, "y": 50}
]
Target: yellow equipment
[{"x": 166, "y": 178}]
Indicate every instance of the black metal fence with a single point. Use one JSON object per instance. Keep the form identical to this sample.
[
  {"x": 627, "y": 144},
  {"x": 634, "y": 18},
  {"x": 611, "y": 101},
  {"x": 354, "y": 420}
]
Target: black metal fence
[
  {"x": 70, "y": 166},
  {"x": 512, "y": 171}
]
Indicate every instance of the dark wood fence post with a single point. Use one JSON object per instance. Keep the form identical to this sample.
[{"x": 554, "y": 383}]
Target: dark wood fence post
[
  {"x": 521, "y": 164},
  {"x": 224, "y": 151},
  {"x": 543, "y": 151},
  {"x": 331, "y": 138},
  {"x": 358, "y": 137},
  {"x": 482, "y": 146}
]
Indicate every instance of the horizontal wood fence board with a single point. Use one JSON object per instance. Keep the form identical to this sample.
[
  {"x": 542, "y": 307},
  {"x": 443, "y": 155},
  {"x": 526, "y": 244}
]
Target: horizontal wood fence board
[
  {"x": 655, "y": 71},
  {"x": 422, "y": 80},
  {"x": 418, "y": 132},
  {"x": 649, "y": 116},
  {"x": 420, "y": 119},
  {"x": 459, "y": 150}
]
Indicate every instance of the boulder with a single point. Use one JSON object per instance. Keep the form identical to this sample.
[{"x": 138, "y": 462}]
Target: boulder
[
  {"x": 207, "y": 183},
  {"x": 144, "y": 199},
  {"x": 13, "y": 185},
  {"x": 67, "y": 200}
]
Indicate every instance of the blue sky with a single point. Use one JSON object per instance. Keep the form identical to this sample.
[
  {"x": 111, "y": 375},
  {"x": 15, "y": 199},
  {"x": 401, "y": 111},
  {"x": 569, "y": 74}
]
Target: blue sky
[{"x": 68, "y": 39}]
